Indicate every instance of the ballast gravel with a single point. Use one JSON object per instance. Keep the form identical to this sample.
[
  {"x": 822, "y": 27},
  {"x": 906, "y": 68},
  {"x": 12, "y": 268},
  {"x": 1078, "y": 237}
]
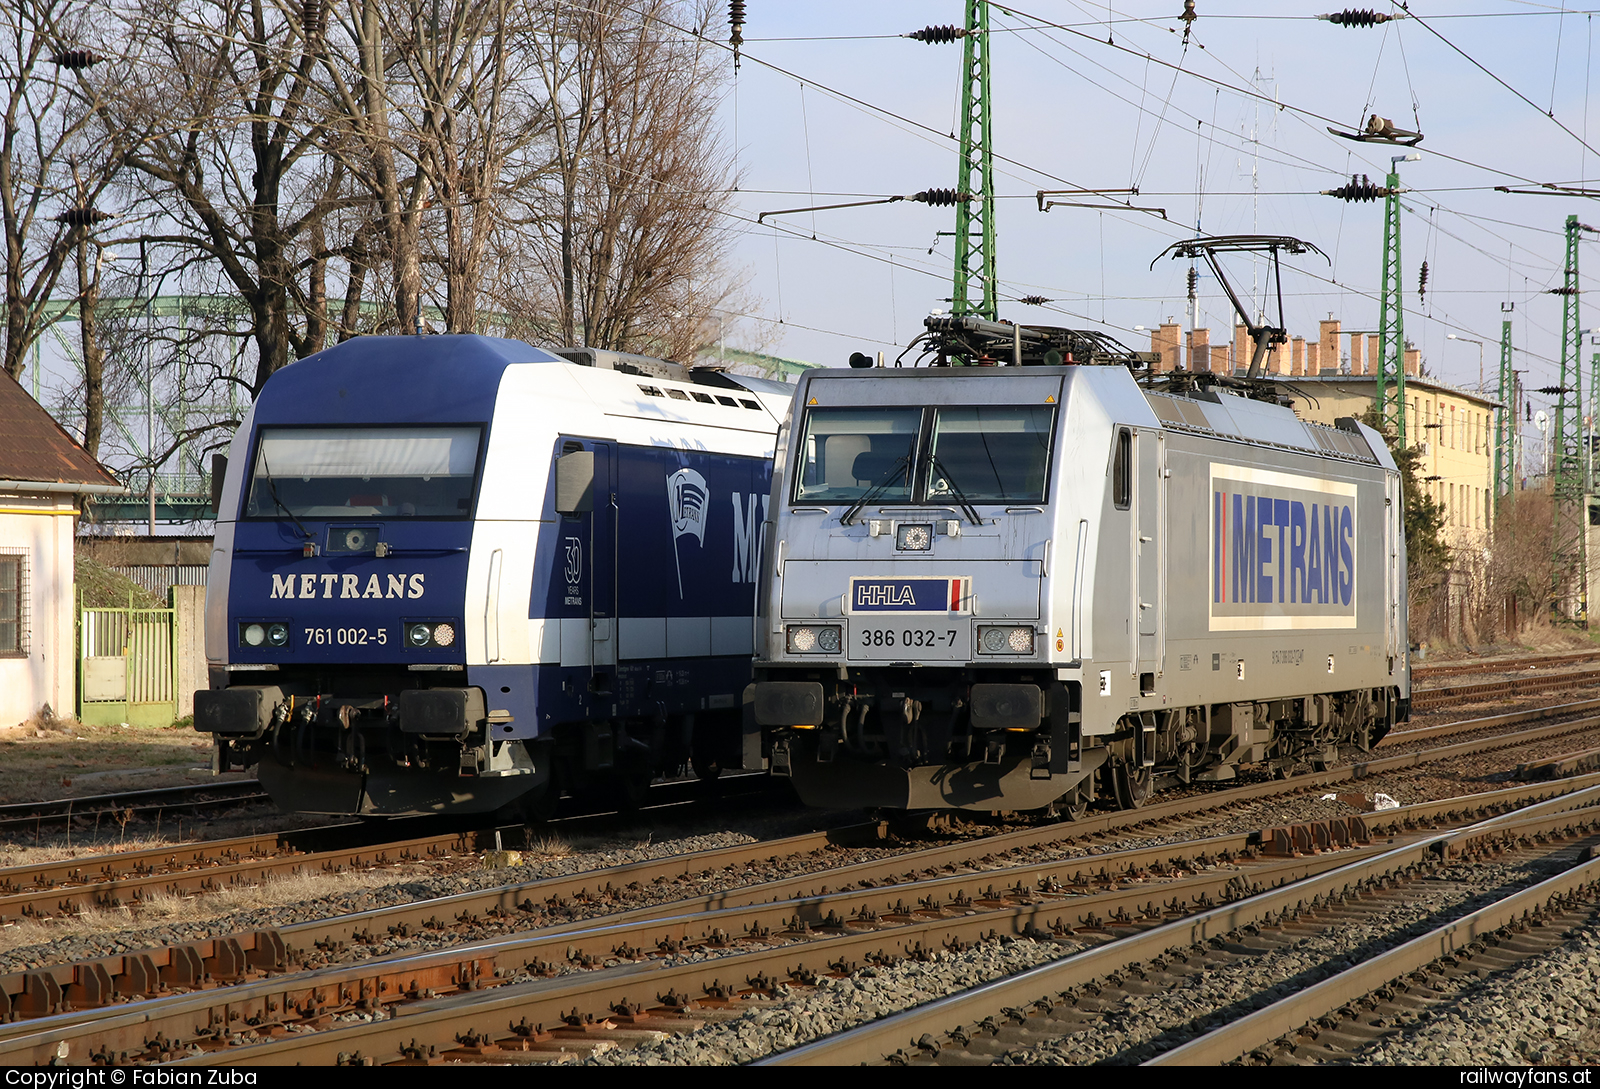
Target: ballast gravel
[
  {"x": 1547, "y": 1014},
  {"x": 1127, "y": 1031}
]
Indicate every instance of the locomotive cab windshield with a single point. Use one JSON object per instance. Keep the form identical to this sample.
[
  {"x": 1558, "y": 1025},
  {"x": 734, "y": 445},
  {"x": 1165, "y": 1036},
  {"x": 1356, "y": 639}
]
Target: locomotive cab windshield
[
  {"x": 905, "y": 456},
  {"x": 370, "y": 472}
]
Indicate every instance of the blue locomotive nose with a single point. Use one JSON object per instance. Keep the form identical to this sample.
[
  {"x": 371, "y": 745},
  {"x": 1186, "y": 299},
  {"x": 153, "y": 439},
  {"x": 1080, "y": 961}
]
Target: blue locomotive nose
[{"x": 402, "y": 620}]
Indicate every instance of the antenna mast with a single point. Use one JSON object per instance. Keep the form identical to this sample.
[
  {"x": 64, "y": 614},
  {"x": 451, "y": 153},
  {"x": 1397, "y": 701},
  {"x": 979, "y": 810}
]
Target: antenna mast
[{"x": 974, "y": 293}]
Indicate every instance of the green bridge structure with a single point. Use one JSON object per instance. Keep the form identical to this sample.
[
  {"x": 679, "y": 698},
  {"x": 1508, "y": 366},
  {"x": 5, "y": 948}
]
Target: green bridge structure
[{"x": 183, "y": 494}]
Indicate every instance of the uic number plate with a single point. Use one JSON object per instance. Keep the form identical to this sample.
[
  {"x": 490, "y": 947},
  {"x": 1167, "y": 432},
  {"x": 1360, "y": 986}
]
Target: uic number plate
[{"x": 910, "y": 640}]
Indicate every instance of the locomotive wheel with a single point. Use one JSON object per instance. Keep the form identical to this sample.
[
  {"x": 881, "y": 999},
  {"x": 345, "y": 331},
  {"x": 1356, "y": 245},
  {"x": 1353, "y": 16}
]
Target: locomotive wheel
[
  {"x": 1130, "y": 785},
  {"x": 1072, "y": 805},
  {"x": 538, "y": 807},
  {"x": 634, "y": 790}
]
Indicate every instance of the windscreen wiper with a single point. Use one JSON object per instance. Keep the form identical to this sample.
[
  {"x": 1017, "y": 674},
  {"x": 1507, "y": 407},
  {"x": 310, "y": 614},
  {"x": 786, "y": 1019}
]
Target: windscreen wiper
[
  {"x": 272, "y": 487},
  {"x": 900, "y": 466},
  {"x": 955, "y": 490}
]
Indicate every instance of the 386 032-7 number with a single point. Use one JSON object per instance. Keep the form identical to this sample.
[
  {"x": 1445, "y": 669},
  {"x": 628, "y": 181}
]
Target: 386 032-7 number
[
  {"x": 908, "y": 637},
  {"x": 347, "y": 637}
]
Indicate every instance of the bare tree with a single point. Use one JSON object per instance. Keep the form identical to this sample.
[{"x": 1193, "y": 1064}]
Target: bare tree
[
  {"x": 627, "y": 221},
  {"x": 237, "y": 178},
  {"x": 56, "y": 158}
]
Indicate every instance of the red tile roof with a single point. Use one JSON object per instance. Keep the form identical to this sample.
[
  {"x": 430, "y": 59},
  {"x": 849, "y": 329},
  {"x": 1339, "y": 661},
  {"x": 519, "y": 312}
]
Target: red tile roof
[{"x": 34, "y": 448}]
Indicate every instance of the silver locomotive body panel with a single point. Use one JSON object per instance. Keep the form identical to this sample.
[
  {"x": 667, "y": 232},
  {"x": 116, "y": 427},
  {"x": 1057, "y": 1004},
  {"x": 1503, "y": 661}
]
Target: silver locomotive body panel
[{"x": 1195, "y": 584}]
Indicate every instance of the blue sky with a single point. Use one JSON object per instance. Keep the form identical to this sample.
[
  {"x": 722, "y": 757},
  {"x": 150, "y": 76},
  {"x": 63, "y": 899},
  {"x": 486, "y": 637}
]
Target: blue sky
[{"x": 1071, "y": 109}]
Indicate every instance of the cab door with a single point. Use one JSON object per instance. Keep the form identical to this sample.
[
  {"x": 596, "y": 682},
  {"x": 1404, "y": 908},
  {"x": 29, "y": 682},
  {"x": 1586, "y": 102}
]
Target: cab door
[
  {"x": 1149, "y": 518},
  {"x": 586, "y": 499}
]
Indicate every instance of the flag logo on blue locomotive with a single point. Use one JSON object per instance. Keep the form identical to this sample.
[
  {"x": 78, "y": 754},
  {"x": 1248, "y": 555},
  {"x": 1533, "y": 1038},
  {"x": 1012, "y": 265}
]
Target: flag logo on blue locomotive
[
  {"x": 916, "y": 595},
  {"x": 1283, "y": 550},
  {"x": 687, "y": 499}
]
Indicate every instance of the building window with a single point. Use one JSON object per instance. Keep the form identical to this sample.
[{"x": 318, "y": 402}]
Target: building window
[{"x": 13, "y": 605}]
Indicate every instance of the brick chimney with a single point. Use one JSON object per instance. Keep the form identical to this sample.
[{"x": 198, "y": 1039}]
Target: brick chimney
[
  {"x": 1327, "y": 356},
  {"x": 1200, "y": 350},
  {"x": 1166, "y": 340}
]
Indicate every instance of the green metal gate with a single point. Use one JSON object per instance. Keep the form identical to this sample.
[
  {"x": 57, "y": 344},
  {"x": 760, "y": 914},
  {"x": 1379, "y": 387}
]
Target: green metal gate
[{"x": 127, "y": 666}]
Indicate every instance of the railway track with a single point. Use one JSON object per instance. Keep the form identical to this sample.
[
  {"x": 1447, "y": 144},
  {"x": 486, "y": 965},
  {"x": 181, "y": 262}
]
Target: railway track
[
  {"x": 789, "y": 912},
  {"x": 1428, "y": 699},
  {"x": 155, "y": 805},
  {"x": 566, "y": 944},
  {"x": 1011, "y": 1019},
  {"x": 130, "y": 805},
  {"x": 1501, "y": 665}
]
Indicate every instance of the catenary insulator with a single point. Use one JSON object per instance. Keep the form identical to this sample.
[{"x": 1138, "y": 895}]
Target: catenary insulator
[
  {"x": 82, "y": 217},
  {"x": 75, "y": 58},
  {"x": 1034, "y": 300},
  {"x": 1422, "y": 281},
  {"x": 736, "y": 28},
  {"x": 312, "y": 17},
  {"x": 938, "y": 35},
  {"x": 1357, "y": 17},
  {"x": 1360, "y": 189},
  {"x": 940, "y": 198}
]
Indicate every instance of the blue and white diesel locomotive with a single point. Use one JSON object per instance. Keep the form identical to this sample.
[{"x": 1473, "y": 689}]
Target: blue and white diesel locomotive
[
  {"x": 1016, "y": 585},
  {"x": 462, "y": 574}
]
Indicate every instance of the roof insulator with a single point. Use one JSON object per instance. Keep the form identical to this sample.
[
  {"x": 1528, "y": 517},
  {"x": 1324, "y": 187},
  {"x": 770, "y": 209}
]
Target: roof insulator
[
  {"x": 75, "y": 58},
  {"x": 940, "y": 198},
  {"x": 1359, "y": 190},
  {"x": 313, "y": 17},
  {"x": 736, "y": 28},
  {"x": 1194, "y": 280},
  {"x": 82, "y": 217},
  {"x": 1358, "y": 17},
  {"x": 938, "y": 35}
]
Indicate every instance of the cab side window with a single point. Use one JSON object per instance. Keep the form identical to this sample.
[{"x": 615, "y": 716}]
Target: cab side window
[{"x": 1122, "y": 471}]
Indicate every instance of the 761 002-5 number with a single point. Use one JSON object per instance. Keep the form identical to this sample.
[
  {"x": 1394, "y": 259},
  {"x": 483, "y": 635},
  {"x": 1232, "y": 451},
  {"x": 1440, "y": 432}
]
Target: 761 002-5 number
[{"x": 346, "y": 637}]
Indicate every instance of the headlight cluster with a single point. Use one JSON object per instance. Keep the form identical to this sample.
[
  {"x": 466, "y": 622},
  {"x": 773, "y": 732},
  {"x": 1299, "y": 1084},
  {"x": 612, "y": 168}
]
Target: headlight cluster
[
  {"x": 1005, "y": 640},
  {"x": 424, "y": 634},
  {"x": 259, "y": 633},
  {"x": 813, "y": 638},
  {"x": 914, "y": 538}
]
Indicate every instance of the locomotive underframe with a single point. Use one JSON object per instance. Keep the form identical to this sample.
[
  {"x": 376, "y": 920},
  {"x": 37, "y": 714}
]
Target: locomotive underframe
[
  {"x": 397, "y": 743},
  {"x": 906, "y": 739}
]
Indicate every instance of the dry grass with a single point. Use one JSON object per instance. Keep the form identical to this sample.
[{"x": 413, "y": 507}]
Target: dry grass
[
  {"x": 547, "y": 847},
  {"x": 46, "y": 758},
  {"x": 159, "y": 908}
]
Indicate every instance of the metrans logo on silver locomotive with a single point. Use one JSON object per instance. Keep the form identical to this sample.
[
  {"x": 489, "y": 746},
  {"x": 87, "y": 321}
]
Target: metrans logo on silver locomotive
[{"x": 1283, "y": 550}]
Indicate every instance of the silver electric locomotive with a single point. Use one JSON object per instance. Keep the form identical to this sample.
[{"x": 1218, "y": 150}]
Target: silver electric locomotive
[{"x": 1012, "y": 587}]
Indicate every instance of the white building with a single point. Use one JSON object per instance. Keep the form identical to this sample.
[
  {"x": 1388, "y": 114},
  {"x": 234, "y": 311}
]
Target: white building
[{"x": 42, "y": 472}]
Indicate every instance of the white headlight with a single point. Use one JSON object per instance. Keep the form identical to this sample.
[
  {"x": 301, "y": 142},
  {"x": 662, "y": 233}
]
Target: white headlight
[
  {"x": 914, "y": 538},
  {"x": 1006, "y": 640}
]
